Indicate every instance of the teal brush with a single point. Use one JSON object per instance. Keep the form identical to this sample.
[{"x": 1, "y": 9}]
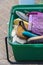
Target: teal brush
[{"x": 29, "y": 34}]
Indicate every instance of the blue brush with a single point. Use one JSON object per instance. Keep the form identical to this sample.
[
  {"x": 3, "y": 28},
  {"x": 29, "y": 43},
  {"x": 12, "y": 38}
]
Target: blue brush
[{"x": 29, "y": 34}]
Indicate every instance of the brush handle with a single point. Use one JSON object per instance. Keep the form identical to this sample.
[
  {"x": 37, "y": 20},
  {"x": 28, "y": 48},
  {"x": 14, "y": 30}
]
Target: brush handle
[
  {"x": 22, "y": 15},
  {"x": 38, "y": 39},
  {"x": 28, "y": 34}
]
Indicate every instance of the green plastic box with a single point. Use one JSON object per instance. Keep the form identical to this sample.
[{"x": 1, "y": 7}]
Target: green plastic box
[{"x": 25, "y": 52}]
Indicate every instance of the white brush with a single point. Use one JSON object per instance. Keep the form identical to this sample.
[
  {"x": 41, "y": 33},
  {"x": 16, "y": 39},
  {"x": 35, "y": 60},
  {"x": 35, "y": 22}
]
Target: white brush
[
  {"x": 38, "y": 39},
  {"x": 22, "y": 15}
]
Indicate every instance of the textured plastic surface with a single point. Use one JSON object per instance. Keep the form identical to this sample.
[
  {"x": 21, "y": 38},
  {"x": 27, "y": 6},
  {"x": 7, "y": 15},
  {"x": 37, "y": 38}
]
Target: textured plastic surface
[{"x": 25, "y": 52}]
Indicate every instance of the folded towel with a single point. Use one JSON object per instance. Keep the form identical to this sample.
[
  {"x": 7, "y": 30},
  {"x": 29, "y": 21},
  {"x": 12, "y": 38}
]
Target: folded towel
[{"x": 36, "y": 23}]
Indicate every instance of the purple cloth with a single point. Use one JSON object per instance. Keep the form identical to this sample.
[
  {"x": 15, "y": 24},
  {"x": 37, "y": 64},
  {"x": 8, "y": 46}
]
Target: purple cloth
[{"x": 36, "y": 23}]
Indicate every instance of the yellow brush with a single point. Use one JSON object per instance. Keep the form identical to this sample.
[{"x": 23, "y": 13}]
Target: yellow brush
[{"x": 16, "y": 22}]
